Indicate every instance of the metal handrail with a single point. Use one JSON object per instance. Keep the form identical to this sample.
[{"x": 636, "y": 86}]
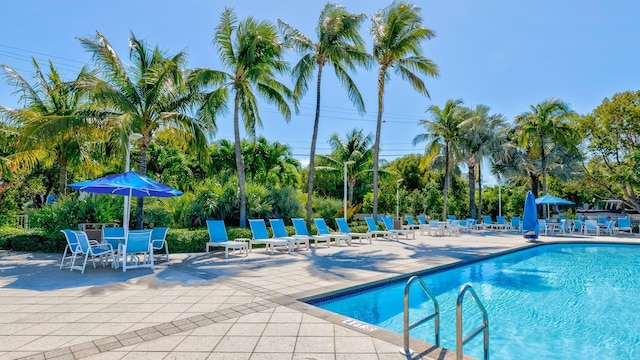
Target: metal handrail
[
  {"x": 484, "y": 327},
  {"x": 436, "y": 314}
]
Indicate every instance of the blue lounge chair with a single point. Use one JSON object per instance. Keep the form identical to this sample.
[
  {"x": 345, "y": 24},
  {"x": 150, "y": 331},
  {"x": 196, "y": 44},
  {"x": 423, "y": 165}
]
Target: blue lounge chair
[
  {"x": 280, "y": 231},
  {"x": 323, "y": 230},
  {"x": 301, "y": 231},
  {"x": 373, "y": 228},
  {"x": 501, "y": 223},
  {"x": 218, "y": 238},
  {"x": 424, "y": 224},
  {"x": 261, "y": 236},
  {"x": 388, "y": 224},
  {"x": 624, "y": 224},
  {"x": 344, "y": 229},
  {"x": 411, "y": 225},
  {"x": 515, "y": 224}
]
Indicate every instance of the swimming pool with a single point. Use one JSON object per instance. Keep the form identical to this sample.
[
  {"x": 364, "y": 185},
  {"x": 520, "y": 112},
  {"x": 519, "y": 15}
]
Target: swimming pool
[{"x": 560, "y": 301}]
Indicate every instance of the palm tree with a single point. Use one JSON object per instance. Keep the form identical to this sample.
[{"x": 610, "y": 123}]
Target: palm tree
[
  {"x": 398, "y": 34},
  {"x": 253, "y": 53},
  {"x": 143, "y": 97},
  {"x": 547, "y": 123},
  {"x": 354, "y": 147},
  {"x": 339, "y": 44},
  {"x": 53, "y": 112},
  {"x": 444, "y": 137},
  {"x": 481, "y": 134}
]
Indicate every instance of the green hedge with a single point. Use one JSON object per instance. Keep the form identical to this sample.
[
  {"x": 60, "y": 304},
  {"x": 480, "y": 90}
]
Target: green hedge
[{"x": 179, "y": 240}]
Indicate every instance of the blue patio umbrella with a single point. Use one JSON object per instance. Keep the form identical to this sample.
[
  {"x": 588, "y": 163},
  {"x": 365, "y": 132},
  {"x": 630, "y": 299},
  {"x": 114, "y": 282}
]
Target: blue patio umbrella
[
  {"x": 127, "y": 184},
  {"x": 552, "y": 200},
  {"x": 530, "y": 226}
]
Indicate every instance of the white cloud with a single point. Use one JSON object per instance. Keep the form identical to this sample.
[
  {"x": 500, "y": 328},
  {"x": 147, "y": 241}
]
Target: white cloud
[{"x": 304, "y": 162}]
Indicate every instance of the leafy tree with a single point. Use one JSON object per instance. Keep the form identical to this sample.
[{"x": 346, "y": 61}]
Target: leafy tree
[
  {"x": 547, "y": 122},
  {"x": 339, "y": 44},
  {"x": 253, "y": 53},
  {"x": 612, "y": 134},
  {"x": 54, "y": 111},
  {"x": 143, "y": 97},
  {"x": 444, "y": 138},
  {"x": 398, "y": 34}
]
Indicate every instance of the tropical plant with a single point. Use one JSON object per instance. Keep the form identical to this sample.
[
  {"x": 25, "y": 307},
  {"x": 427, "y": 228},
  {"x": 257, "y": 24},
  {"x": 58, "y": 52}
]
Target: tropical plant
[
  {"x": 444, "y": 138},
  {"x": 253, "y": 53},
  {"x": 339, "y": 44},
  {"x": 54, "y": 111},
  {"x": 143, "y": 97},
  {"x": 398, "y": 34}
]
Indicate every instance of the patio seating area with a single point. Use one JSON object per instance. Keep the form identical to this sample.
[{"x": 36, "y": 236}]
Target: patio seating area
[{"x": 199, "y": 307}]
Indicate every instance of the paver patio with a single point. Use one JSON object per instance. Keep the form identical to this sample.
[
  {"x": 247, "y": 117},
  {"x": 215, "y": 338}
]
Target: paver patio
[{"x": 201, "y": 306}]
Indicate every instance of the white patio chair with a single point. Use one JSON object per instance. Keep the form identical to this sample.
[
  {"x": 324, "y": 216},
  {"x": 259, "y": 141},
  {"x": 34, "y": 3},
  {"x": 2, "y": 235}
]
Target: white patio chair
[
  {"x": 159, "y": 240},
  {"x": 137, "y": 251},
  {"x": 101, "y": 251}
]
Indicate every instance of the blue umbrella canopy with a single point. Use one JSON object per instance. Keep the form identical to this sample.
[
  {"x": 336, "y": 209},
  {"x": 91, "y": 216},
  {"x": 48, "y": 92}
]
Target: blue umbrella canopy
[
  {"x": 552, "y": 200},
  {"x": 128, "y": 184},
  {"x": 530, "y": 217}
]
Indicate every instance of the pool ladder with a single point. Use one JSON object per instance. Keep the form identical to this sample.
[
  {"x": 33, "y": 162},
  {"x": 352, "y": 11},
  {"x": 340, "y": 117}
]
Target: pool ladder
[
  {"x": 436, "y": 315},
  {"x": 484, "y": 328}
]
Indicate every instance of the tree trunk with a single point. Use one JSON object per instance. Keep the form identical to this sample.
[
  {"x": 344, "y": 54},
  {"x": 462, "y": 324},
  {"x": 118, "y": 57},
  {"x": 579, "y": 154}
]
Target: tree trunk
[
  {"x": 62, "y": 178},
  {"x": 471, "y": 165},
  {"x": 535, "y": 184},
  {"x": 142, "y": 170},
  {"x": 239, "y": 164},
  {"x": 479, "y": 191},
  {"x": 543, "y": 161},
  {"x": 446, "y": 181},
  {"x": 376, "y": 146},
  {"x": 312, "y": 156}
]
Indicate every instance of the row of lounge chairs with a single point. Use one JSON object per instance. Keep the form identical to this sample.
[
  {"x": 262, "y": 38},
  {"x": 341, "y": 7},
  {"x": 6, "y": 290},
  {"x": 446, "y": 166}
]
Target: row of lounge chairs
[{"x": 301, "y": 239}]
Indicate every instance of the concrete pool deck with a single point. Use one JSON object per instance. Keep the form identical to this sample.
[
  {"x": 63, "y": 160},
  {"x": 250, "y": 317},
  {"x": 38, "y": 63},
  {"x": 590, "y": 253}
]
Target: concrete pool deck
[{"x": 202, "y": 306}]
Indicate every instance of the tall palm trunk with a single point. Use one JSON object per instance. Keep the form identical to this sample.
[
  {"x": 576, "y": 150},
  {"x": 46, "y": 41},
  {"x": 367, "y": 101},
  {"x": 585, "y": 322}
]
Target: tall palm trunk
[
  {"x": 62, "y": 178},
  {"x": 535, "y": 184},
  {"x": 312, "y": 156},
  {"x": 142, "y": 170},
  {"x": 479, "y": 191},
  {"x": 471, "y": 165},
  {"x": 446, "y": 180},
  {"x": 239, "y": 164},
  {"x": 376, "y": 144},
  {"x": 543, "y": 160}
]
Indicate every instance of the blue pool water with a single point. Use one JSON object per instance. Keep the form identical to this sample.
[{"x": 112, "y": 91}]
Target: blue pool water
[{"x": 564, "y": 301}]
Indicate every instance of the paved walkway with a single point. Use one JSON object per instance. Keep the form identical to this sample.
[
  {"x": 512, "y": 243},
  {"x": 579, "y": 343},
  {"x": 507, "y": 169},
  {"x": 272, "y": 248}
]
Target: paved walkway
[{"x": 200, "y": 306}]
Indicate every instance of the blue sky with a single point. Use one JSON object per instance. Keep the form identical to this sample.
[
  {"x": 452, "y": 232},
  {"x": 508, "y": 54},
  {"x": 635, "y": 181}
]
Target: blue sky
[{"x": 504, "y": 54}]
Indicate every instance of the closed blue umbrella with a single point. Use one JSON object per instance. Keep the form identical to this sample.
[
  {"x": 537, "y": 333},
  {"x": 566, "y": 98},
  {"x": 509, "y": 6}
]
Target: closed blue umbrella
[
  {"x": 530, "y": 226},
  {"x": 127, "y": 184}
]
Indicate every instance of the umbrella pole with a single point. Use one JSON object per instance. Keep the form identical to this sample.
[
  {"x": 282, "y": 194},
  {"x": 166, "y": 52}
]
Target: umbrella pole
[{"x": 127, "y": 211}]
